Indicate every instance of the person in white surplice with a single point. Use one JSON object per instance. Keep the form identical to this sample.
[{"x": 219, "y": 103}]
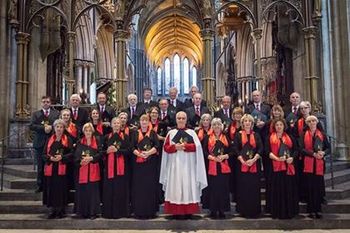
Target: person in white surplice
[{"x": 182, "y": 173}]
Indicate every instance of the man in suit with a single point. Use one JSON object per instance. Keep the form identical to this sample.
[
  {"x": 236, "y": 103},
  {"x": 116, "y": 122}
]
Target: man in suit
[
  {"x": 134, "y": 111},
  {"x": 167, "y": 114},
  {"x": 42, "y": 125},
  {"x": 261, "y": 108},
  {"x": 79, "y": 115},
  {"x": 107, "y": 113},
  {"x": 189, "y": 101},
  {"x": 147, "y": 101},
  {"x": 174, "y": 103},
  {"x": 225, "y": 111},
  {"x": 293, "y": 106},
  {"x": 195, "y": 112}
]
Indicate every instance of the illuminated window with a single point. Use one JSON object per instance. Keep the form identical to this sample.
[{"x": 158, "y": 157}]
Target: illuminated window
[
  {"x": 159, "y": 80},
  {"x": 177, "y": 72},
  {"x": 167, "y": 75},
  {"x": 186, "y": 76}
]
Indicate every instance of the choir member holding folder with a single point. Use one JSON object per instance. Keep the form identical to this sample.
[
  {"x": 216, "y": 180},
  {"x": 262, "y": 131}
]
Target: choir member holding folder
[
  {"x": 145, "y": 176},
  {"x": 217, "y": 148},
  {"x": 116, "y": 183},
  {"x": 283, "y": 193},
  {"x": 248, "y": 148},
  {"x": 87, "y": 156},
  {"x": 314, "y": 146},
  {"x": 57, "y": 153}
]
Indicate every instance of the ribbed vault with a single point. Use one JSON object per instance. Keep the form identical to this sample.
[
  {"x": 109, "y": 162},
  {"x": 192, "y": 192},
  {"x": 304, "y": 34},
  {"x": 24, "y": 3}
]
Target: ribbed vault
[{"x": 174, "y": 34}]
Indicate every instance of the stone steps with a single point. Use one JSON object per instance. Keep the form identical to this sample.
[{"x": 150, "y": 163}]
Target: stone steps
[
  {"x": 39, "y": 221},
  {"x": 23, "y": 171},
  {"x": 36, "y": 207},
  {"x": 14, "y": 182},
  {"x": 19, "y": 195}
]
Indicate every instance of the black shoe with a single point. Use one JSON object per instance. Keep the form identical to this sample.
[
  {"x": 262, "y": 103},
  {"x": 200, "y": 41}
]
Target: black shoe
[
  {"x": 324, "y": 201},
  {"x": 93, "y": 217},
  {"x": 312, "y": 215},
  {"x": 51, "y": 215},
  {"x": 222, "y": 215},
  {"x": 318, "y": 215},
  {"x": 213, "y": 215},
  {"x": 38, "y": 190}
]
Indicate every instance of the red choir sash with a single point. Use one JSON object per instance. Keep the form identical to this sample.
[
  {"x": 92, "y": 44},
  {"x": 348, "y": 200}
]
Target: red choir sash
[
  {"x": 232, "y": 130},
  {"x": 72, "y": 129},
  {"x": 139, "y": 139},
  {"x": 201, "y": 133},
  {"x": 245, "y": 168},
  {"x": 308, "y": 160},
  {"x": 119, "y": 163},
  {"x": 271, "y": 129},
  {"x": 126, "y": 130},
  {"x": 94, "y": 168},
  {"x": 275, "y": 146},
  {"x": 61, "y": 166},
  {"x": 225, "y": 168},
  {"x": 155, "y": 126},
  {"x": 300, "y": 126},
  {"x": 99, "y": 128}
]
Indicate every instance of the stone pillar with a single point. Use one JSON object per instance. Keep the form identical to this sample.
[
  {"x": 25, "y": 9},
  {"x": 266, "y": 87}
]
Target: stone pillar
[
  {"x": 70, "y": 79},
  {"x": 79, "y": 75},
  {"x": 311, "y": 67},
  {"x": 257, "y": 33},
  {"x": 22, "y": 108},
  {"x": 85, "y": 77},
  {"x": 120, "y": 83},
  {"x": 208, "y": 81}
]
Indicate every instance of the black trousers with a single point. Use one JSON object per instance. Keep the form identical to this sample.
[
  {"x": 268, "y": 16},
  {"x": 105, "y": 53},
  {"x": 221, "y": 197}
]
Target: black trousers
[{"x": 39, "y": 162}]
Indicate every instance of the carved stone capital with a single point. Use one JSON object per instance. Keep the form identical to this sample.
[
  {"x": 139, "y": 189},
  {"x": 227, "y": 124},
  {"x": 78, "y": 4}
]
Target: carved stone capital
[
  {"x": 310, "y": 32},
  {"x": 257, "y": 33},
  {"x": 22, "y": 38}
]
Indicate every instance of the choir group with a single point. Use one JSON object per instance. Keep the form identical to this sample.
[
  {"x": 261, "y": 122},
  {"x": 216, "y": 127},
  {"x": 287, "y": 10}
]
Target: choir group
[{"x": 181, "y": 155}]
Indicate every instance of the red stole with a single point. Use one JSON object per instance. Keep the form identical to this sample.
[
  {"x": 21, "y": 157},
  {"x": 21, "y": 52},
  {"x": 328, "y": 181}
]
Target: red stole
[
  {"x": 94, "y": 175},
  {"x": 119, "y": 163},
  {"x": 155, "y": 126},
  {"x": 225, "y": 168},
  {"x": 126, "y": 131},
  {"x": 308, "y": 160},
  {"x": 300, "y": 126},
  {"x": 62, "y": 168},
  {"x": 232, "y": 130},
  {"x": 201, "y": 133},
  {"x": 139, "y": 139},
  {"x": 245, "y": 168},
  {"x": 275, "y": 144},
  {"x": 72, "y": 129},
  {"x": 99, "y": 128}
]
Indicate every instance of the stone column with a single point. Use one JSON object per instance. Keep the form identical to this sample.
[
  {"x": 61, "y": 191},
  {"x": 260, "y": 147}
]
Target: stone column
[
  {"x": 208, "y": 81},
  {"x": 70, "y": 79},
  {"x": 257, "y": 33},
  {"x": 120, "y": 83},
  {"x": 85, "y": 77},
  {"x": 311, "y": 79},
  {"x": 22, "y": 108}
]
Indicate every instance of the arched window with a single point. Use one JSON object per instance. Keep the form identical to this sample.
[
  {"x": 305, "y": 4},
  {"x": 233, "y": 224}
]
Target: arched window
[
  {"x": 186, "y": 76},
  {"x": 159, "y": 81},
  {"x": 167, "y": 75},
  {"x": 177, "y": 78},
  {"x": 194, "y": 76}
]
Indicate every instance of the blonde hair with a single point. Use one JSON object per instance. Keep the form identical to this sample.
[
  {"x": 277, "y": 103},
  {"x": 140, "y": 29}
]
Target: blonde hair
[
  {"x": 144, "y": 117},
  {"x": 248, "y": 117},
  {"x": 64, "y": 110},
  {"x": 279, "y": 108},
  {"x": 88, "y": 125},
  {"x": 123, "y": 113},
  {"x": 237, "y": 110}
]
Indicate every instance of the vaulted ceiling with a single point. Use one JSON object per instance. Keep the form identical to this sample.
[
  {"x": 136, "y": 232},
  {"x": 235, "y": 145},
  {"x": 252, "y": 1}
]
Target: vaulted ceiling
[{"x": 169, "y": 27}]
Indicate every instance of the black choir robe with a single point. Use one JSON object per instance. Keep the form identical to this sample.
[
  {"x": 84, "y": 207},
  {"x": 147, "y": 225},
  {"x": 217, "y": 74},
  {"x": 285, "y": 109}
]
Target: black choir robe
[
  {"x": 218, "y": 174},
  {"x": 248, "y": 178},
  {"x": 145, "y": 180},
  {"x": 55, "y": 191},
  {"x": 116, "y": 177},
  {"x": 87, "y": 198},
  {"x": 313, "y": 169},
  {"x": 282, "y": 199}
]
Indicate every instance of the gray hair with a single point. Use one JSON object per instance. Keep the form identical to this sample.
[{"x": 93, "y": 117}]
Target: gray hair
[
  {"x": 304, "y": 104},
  {"x": 217, "y": 121},
  {"x": 203, "y": 117},
  {"x": 75, "y": 96},
  {"x": 59, "y": 122},
  {"x": 248, "y": 117}
]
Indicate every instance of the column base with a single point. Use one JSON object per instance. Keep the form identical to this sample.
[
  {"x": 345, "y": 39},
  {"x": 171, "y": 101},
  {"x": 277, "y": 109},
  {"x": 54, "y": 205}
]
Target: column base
[
  {"x": 20, "y": 140},
  {"x": 342, "y": 152}
]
